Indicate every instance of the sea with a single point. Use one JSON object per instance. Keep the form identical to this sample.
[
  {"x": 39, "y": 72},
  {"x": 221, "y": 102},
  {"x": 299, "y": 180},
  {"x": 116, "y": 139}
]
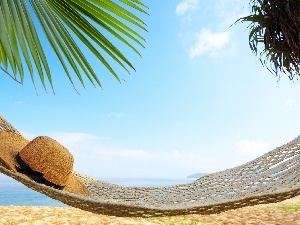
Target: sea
[{"x": 13, "y": 193}]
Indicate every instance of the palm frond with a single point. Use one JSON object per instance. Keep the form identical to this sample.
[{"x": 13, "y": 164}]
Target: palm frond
[
  {"x": 100, "y": 25},
  {"x": 276, "y": 25}
]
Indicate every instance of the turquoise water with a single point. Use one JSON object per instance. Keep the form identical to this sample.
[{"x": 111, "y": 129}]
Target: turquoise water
[{"x": 14, "y": 193}]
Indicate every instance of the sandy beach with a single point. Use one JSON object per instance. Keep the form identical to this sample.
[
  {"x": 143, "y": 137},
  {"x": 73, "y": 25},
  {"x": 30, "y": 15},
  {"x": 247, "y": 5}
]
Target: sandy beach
[{"x": 286, "y": 212}]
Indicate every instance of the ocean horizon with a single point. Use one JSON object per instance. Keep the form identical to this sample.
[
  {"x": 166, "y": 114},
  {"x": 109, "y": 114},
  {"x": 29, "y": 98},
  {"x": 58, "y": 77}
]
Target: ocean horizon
[{"x": 13, "y": 193}]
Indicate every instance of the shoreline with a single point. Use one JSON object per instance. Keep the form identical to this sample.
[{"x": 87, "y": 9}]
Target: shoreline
[{"x": 286, "y": 212}]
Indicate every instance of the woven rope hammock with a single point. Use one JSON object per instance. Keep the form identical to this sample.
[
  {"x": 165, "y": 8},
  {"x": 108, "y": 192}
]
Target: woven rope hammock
[{"x": 270, "y": 178}]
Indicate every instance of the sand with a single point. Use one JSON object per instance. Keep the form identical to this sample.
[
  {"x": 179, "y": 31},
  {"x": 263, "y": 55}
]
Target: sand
[{"x": 282, "y": 213}]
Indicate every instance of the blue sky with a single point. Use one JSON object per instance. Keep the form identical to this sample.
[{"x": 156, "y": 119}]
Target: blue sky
[{"x": 199, "y": 100}]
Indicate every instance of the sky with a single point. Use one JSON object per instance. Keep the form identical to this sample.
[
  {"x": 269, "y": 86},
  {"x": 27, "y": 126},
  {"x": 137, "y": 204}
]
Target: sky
[{"x": 199, "y": 101}]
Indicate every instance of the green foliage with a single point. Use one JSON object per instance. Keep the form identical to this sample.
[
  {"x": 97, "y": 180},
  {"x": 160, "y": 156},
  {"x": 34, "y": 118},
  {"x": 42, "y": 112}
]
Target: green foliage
[
  {"x": 184, "y": 223},
  {"x": 156, "y": 218},
  {"x": 92, "y": 22},
  {"x": 275, "y": 24},
  {"x": 173, "y": 223},
  {"x": 290, "y": 208}
]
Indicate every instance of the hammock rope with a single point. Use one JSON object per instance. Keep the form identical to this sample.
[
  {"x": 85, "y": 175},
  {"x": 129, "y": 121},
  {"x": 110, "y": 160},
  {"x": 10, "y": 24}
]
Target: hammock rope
[{"x": 273, "y": 177}]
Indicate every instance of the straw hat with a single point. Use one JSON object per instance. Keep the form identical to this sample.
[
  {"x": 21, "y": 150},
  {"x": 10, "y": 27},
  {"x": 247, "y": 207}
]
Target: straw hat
[{"x": 43, "y": 160}]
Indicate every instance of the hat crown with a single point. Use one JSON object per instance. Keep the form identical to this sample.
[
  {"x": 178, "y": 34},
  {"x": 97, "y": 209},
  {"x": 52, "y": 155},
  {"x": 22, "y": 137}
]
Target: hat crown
[{"x": 47, "y": 156}]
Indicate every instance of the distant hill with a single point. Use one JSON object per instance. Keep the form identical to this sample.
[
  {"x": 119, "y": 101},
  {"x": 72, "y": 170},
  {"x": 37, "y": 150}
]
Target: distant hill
[{"x": 196, "y": 175}]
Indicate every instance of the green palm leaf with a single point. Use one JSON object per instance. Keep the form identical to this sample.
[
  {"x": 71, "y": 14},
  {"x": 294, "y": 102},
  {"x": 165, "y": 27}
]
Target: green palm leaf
[{"x": 98, "y": 24}]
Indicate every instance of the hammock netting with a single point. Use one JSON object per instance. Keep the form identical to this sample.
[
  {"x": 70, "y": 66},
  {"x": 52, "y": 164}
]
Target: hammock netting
[{"x": 273, "y": 177}]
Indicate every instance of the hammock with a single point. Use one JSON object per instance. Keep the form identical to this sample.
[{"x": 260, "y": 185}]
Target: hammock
[{"x": 270, "y": 178}]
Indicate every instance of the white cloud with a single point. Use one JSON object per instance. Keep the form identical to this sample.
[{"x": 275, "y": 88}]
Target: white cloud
[
  {"x": 209, "y": 43},
  {"x": 175, "y": 152},
  {"x": 229, "y": 11},
  {"x": 254, "y": 148},
  {"x": 290, "y": 102},
  {"x": 115, "y": 115},
  {"x": 182, "y": 8},
  {"x": 186, "y": 5},
  {"x": 27, "y": 135},
  {"x": 218, "y": 16},
  {"x": 124, "y": 153},
  {"x": 97, "y": 159},
  {"x": 70, "y": 139}
]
